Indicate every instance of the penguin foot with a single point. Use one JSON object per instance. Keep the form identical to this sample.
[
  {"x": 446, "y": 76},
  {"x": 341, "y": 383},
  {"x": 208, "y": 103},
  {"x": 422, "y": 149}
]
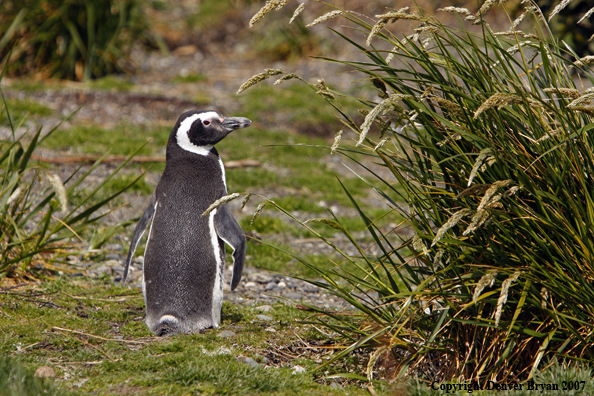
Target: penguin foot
[
  {"x": 166, "y": 329},
  {"x": 168, "y": 325}
]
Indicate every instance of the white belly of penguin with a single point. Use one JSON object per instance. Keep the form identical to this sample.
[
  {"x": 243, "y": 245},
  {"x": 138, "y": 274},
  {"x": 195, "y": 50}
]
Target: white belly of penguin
[{"x": 217, "y": 289}]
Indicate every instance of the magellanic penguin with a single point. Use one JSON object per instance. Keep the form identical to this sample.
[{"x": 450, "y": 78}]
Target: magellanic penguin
[{"x": 185, "y": 252}]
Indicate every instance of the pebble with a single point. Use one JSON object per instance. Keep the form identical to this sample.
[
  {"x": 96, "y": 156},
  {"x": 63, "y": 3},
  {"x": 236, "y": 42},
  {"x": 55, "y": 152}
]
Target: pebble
[
  {"x": 270, "y": 329},
  {"x": 112, "y": 256},
  {"x": 281, "y": 285},
  {"x": 113, "y": 247},
  {"x": 226, "y": 334},
  {"x": 269, "y": 286},
  {"x": 251, "y": 362},
  {"x": 45, "y": 372},
  {"x": 264, "y": 318},
  {"x": 263, "y": 308},
  {"x": 294, "y": 296},
  {"x": 249, "y": 285}
]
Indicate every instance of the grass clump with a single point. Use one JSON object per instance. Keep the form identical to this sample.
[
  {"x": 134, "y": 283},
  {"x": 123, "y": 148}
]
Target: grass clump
[
  {"x": 40, "y": 213},
  {"x": 74, "y": 39},
  {"x": 489, "y": 276},
  {"x": 17, "y": 380}
]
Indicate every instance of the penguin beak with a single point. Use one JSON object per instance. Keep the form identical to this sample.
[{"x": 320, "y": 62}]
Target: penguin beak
[{"x": 232, "y": 123}]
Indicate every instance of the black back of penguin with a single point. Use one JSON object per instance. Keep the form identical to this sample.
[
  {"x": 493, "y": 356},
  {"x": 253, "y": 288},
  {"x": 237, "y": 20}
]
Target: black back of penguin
[{"x": 184, "y": 256}]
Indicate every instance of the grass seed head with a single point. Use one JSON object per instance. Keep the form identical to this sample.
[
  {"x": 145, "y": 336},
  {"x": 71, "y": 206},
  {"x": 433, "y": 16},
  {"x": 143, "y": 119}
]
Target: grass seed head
[
  {"x": 452, "y": 221},
  {"x": 544, "y": 293},
  {"x": 503, "y": 296},
  {"x": 582, "y": 99},
  {"x": 220, "y": 201},
  {"x": 257, "y": 212},
  {"x": 323, "y": 90},
  {"x": 457, "y": 10},
  {"x": 571, "y": 92},
  {"x": 373, "y": 356},
  {"x": 419, "y": 245},
  {"x": 586, "y": 60},
  {"x": 477, "y": 164},
  {"x": 497, "y": 100},
  {"x": 516, "y": 22},
  {"x": 381, "y": 143},
  {"x": 15, "y": 194},
  {"x": 489, "y": 193},
  {"x": 438, "y": 257},
  {"x": 259, "y": 77},
  {"x": 285, "y": 78},
  {"x": 382, "y": 108},
  {"x": 392, "y": 17},
  {"x": 245, "y": 200},
  {"x": 391, "y": 54},
  {"x": 268, "y": 7},
  {"x": 486, "y": 280},
  {"x": 56, "y": 183},
  {"x": 325, "y": 17},
  {"x": 586, "y": 15},
  {"x": 337, "y": 139},
  {"x": 559, "y": 8},
  {"x": 297, "y": 12}
]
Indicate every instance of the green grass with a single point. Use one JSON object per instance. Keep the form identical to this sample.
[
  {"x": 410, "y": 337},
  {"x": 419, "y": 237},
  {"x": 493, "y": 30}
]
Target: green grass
[
  {"x": 179, "y": 365},
  {"x": 21, "y": 108},
  {"x": 122, "y": 140},
  {"x": 294, "y": 104},
  {"x": 112, "y": 83},
  {"x": 190, "y": 78},
  {"x": 119, "y": 182}
]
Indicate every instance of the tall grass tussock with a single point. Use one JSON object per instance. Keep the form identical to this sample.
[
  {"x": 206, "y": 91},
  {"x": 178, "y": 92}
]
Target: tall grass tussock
[
  {"x": 71, "y": 39},
  {"x": 490, "y": 277}
]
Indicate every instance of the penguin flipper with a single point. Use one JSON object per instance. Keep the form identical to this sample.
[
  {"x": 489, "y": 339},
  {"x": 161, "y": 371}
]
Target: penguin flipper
[
  {"x": 231, "y": 233},
  {"x": 144, "y": 221}
]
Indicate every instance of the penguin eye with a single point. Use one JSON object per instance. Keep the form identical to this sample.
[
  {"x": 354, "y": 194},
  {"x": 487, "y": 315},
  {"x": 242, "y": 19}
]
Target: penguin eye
[{"x": 206, "y": 122}]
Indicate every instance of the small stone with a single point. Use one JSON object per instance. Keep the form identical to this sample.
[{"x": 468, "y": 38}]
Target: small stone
[
  {"x": 139, "y": 260},
  {"x": 270, "y": 329},
  {"x": 103, "y": 269},
  {"x": 226, "y": 334},
  {"x": 270, "y": 286},
  {"x": 251, "y": 362},
  {"x": 112, "y": 256},
  {"x": 249, "y": 285},
  {"x": 260, "y": 277},
  {"x": 185, "y": 50},
  {"x": 263, "y": 308},
  {"x": 45, "y": 372},
  {"x": 281, "y": 285},
  {"x": 298, "y": 369},
  {"x": 293, "y": 296},
  {"x": 114, "y": 247},
  {"x": 264, "y": 318}
]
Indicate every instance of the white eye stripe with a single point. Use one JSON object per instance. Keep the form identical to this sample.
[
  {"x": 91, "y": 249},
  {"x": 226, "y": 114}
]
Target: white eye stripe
[{"x": 183, "y": 139}]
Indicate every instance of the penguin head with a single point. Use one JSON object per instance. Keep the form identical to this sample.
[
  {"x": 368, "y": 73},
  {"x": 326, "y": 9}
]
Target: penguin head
[{"x": 199, "y": 130}]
